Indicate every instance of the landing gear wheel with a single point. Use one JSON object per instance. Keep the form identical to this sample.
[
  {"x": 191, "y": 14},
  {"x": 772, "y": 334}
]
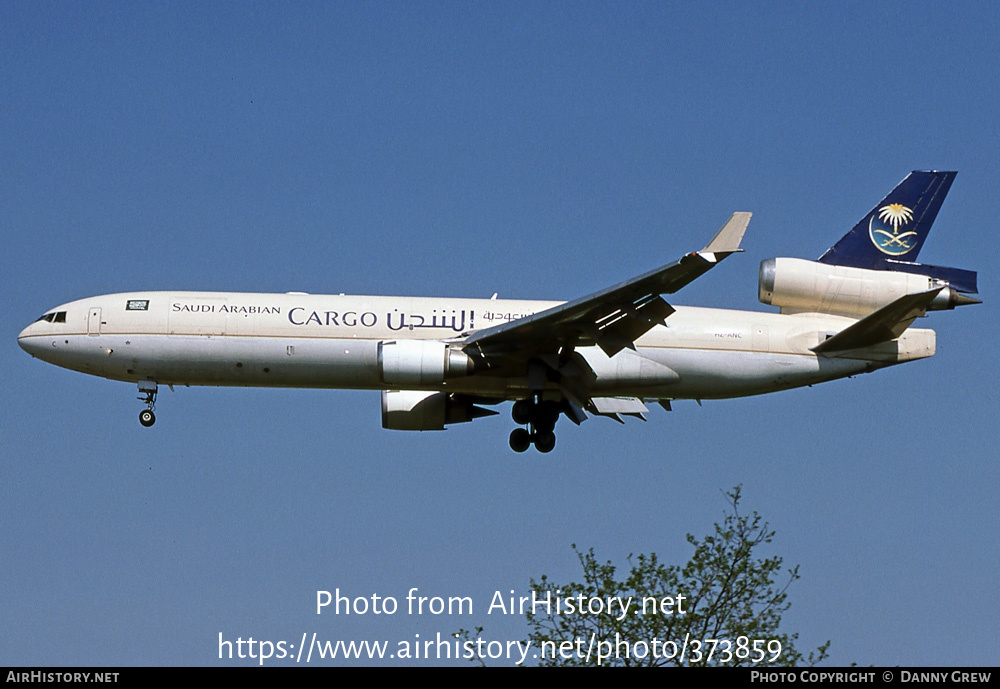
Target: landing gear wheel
[
  {"x": 522, "y": 412},
  {"x": 545, "y": 417},
  {"x": 520, "y": 439},
  {"x": 147, "y": 395},
  {"x": 545, "y": 442}
]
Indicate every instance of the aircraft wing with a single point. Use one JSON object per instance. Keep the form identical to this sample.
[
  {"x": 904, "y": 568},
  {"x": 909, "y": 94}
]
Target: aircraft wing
[{"x": 612, "y": 318}]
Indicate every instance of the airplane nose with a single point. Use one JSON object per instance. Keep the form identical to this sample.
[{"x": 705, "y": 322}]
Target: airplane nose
[{"x": 28, "y": 343}]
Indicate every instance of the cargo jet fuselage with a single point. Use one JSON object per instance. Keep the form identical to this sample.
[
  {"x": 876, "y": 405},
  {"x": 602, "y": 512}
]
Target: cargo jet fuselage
[
  {"x": 440, "y": 360},
  {"x": 333, "y": 341}
]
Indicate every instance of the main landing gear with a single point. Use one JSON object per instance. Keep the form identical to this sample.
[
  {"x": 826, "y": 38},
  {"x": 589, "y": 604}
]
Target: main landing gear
[
  {"x": 147, "y": 394},
  {"x": 541, "y": 419}
]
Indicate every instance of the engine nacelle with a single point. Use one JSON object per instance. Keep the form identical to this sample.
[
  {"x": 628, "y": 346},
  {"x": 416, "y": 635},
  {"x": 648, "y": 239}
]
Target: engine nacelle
[
  {"x": 420, "y": 362},
  {"x": 419, "y": 410},
  {"x": 798, "y": 285}
]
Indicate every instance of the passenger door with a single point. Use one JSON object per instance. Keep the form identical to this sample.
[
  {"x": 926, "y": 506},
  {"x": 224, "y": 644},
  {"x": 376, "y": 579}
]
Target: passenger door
[{"x": 94, "y": 321}]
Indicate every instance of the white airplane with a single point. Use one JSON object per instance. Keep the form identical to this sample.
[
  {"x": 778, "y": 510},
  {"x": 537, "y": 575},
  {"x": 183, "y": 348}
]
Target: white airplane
[{"x": 442, "y": 361}]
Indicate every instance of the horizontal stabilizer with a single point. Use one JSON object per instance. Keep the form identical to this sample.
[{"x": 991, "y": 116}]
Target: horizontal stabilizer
[{"x": 884, "y": 325}]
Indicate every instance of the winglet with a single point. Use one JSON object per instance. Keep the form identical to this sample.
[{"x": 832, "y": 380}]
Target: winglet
[{"x": 727, "y": 240}]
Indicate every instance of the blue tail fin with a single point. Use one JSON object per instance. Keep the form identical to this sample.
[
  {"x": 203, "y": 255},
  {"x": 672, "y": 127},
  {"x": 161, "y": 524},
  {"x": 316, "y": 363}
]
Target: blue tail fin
[
  {"x": 897, "y": 227},
  {"x": 891, "y": 235}
]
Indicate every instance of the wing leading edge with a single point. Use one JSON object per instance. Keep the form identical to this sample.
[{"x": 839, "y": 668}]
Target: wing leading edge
[{"x": 611, "y": 318}]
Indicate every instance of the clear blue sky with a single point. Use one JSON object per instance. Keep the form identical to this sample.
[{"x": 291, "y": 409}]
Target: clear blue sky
[{"x": 464, "y": 149}]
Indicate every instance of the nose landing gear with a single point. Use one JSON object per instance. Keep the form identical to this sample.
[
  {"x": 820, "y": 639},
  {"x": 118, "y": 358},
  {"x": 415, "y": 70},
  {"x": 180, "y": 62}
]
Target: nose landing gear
[
  {"x": 147, "y": 394},
  {"x": 541, "y": 418}
]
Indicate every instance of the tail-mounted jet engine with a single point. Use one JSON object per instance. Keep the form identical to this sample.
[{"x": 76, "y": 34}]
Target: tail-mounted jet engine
[{"x": 798, "y": 285}]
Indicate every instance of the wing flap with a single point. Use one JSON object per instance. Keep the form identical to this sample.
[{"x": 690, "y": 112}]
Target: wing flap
[
  {"x": 616, "y": 407},
  {"x": 622, "y": 327}
]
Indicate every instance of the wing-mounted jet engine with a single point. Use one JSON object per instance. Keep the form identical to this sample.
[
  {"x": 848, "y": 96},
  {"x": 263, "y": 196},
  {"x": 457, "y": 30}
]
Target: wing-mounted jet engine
[{"x": 419, "y": 410}]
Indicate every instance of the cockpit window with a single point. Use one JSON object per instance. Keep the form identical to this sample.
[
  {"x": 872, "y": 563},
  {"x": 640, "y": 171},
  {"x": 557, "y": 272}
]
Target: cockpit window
[
  {"x": 60, "y": 317},
  {"x": 47, "y": 317},
  {"x": 54, "y": 317}
]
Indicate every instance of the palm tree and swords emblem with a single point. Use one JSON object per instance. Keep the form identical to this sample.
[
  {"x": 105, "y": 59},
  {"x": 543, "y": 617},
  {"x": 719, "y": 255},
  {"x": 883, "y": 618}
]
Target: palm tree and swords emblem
[{"x": 894, "y": 215}]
